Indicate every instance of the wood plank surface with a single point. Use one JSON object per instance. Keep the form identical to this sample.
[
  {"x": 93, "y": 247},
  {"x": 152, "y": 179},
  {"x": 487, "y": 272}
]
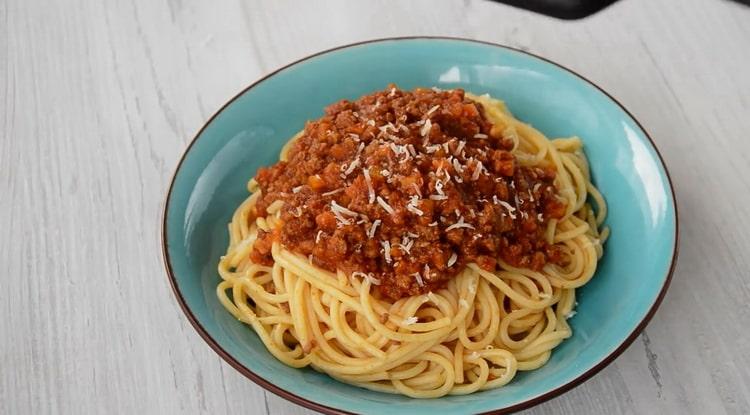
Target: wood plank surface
[{"x": 99, "y": 98}]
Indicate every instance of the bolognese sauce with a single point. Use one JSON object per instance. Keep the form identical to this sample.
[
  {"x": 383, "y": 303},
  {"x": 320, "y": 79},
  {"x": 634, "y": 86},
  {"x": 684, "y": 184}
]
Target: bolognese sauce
[{"x": 406, "y": 188}]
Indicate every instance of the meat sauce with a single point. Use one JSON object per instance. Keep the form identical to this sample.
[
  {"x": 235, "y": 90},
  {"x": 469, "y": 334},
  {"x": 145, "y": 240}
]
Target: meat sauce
[{"x": 406, "y": 188}]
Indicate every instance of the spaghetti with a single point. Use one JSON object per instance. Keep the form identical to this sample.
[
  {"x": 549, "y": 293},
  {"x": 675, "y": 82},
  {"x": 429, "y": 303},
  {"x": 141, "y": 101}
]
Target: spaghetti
[{"x": 421, "y": 301}]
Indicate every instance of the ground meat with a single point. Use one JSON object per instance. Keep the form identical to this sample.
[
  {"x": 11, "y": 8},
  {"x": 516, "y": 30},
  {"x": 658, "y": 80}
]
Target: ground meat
[{"x": 409, "y": 187}]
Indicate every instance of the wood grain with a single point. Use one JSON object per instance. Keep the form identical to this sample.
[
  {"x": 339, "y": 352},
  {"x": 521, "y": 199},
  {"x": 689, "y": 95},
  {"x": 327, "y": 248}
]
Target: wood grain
[{"x": 98, "y": 99}]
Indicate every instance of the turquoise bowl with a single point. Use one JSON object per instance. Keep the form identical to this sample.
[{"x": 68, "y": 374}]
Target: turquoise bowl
[{"x": 251, "y": 128}]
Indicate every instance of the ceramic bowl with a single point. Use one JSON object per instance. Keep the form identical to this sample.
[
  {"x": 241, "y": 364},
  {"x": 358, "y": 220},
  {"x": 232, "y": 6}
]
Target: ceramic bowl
[{"x": 251, "y": 128}]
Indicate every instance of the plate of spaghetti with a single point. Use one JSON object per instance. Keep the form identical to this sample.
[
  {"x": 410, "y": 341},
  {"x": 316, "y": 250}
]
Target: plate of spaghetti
[{"x": 420, "y": 225}]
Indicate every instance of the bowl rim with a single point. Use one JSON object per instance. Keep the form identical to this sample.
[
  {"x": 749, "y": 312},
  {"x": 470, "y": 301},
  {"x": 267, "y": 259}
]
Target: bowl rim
[{"x": 310, "y": 404}]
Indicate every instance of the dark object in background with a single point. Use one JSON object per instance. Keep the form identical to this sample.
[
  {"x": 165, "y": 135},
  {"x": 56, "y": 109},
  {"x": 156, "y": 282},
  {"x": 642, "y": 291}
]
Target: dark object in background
[{"x": 563, "y": 9}]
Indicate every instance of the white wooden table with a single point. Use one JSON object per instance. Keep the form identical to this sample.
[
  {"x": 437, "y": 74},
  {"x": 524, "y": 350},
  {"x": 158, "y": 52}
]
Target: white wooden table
[{"x": 99, "y": 98}]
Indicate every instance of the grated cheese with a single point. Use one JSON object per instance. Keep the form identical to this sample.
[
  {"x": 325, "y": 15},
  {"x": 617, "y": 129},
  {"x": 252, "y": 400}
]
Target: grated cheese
[
  {"x": 460, "y": 147},
  {"x": 457, "y": 166},
  {"x": 373, "y": 228},
  {"x": 426, "y": 128},
  {"x": 412, "y": 206},
  {"x": 460, "y": 224},
  {"x": 407, "y": 246},
  {"x": 432, "y": 148},
  {"x": 418, "y": 277},
  {"x": 407, "y": 243},
  {"x": 415, "y": 210},
  {"x": 439, "y": 187},
  {"x": 296, "y": 189},
  {"x": 452, "y": 260},
  {"x": 433, "y": 224},
  {"x": 385, "y": 205},
  {"x": 447, "y": 176},
  {"x": 369, "y": 277},
  {"x": 477, "y": 171},
  {"x": 431, "y": 110},
  {"x": 480, "y": 135},
  {"x": 341, "y": 221},
  {"x": 388, "y": 126},
  {"x": 333, "y": 192},
  {"x": 438, "y": 197},
  {"x": 370, "y": 189},
  {"x": 506, "y": 205},
  {"x": 351, "y": 167},
  {"x": 386, "y": 250},
  {"x": 317, "y": 237},
  {"x": 335, "y": 207},
  {"x": 411, "y": 149},
  {"x": 411, "y": 320}
]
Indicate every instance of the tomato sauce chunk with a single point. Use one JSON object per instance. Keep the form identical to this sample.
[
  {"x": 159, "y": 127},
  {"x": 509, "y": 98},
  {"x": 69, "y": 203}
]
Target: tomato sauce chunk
[{"x": 408, "y": 187}]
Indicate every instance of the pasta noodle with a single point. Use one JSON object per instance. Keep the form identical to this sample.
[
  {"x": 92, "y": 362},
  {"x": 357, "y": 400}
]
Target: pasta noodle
[{"x": 472, "y": 334}]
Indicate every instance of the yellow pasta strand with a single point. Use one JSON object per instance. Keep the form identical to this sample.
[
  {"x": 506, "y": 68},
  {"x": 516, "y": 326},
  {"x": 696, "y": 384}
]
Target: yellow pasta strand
[{"x": 474, "y": 334}]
